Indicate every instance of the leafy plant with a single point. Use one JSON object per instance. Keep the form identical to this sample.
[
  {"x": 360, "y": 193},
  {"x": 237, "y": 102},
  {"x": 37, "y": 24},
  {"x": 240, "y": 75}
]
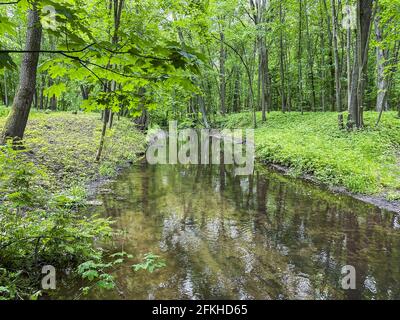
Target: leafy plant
[
  {"x": 99, "y": 273},
  {"x": 151, "y": 262},
  {"x": 40, "y": 228}
]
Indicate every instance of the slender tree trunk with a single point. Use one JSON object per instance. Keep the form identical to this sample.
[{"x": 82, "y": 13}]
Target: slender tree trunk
[
  {"x": 18, "y": 118},
  {"x": 322, "y": 68},
  {"x": 53, "y": 103},
  {"x": 84, "y": 91},
  {"x": 203, "y": 111},
  {"x": 310, "y": 61},
  {"x": 288, "y": 83},
  {"x": 348, "y": 54},
  {"x": 381, "y": 56},
  {"x": 336, "y": 57},
  {"x": 103, "y": 134},
  {"x": 236, "y": 92},
  {"x": 300, "y": 56},
  {"x": 35, "y": 99},
  {"x": 222, "y": 57},
  {"x": 259, "y": 7},
  {"x": 282, "y": 54},
  {"x": 5, "y": 89},
  {"x": 117, "y": 5},
  {"x": 42, "y": 85},
  {"x": 331, "y": 58},
  {"x": 263, "y": 75}
]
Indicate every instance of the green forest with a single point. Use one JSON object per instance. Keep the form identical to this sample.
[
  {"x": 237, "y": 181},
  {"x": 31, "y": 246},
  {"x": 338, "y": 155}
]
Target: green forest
[{"x": 85, "y": 84}]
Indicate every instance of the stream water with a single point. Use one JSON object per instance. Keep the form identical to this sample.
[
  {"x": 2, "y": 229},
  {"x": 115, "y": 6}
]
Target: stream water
[{"x": 264, "y": 236}]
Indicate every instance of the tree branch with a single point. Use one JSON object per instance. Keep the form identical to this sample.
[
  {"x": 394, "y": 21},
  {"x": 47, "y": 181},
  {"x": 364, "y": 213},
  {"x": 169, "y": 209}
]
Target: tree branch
[{"x": 11, "y": 2}]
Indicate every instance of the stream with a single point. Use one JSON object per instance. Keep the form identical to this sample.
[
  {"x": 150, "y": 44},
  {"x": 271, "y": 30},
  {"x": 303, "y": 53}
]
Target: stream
[{"x": 264, "y": 236}]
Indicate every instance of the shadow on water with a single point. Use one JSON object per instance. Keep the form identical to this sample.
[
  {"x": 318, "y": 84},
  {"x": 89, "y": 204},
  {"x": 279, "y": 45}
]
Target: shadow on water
[{"x": 263, "y": 236}]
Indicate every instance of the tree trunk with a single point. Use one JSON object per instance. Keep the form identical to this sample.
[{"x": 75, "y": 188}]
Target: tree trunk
[
  {"x": 348, "y": 55},
  {"x": 35, "y": 99},
  {"x": 364, "y": 20},
  {"x": 222, "y": 80},
  {"x": 282, "y": 66},
  {"x": 85, "y": 92},
  {"x": 5, "y": 89},
  {"x": 53, "y": 103},
  {"x": 310, "y": 61},
  {"x": 338, "y": 90},
  {"x": 381, "y": 56},
  {"x": 322, "y": 68},
  {"x": 18, "y": 118},
  {"x": 103, "y": 134},
  {"x": 264, "y": 75},
  {"x": 43, "y": 83},
  {"x": 118, "y": 4},
  {"x": 330, "y": 61},
  {"x": 236, "y": 92},
  {"x": 300, "y": 85}
]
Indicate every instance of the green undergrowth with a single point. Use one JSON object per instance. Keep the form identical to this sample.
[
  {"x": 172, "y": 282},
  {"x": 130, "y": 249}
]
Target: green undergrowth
[
  {"x": 42, "y": 192},
  {"x": 66, "y": 144},
  {"x": 363, "y": 161}
]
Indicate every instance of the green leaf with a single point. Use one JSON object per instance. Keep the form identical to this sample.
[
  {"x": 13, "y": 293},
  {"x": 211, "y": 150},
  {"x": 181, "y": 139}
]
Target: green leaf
[
  {"x": 55, "y": 90},
  {"x": 90, "y": 274},
  {"x": 6, "y": 61},
  {"x": 7, "y": 26}
]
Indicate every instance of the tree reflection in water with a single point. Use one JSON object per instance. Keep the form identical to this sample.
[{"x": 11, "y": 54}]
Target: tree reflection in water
[{"x": 257, "y": 237}]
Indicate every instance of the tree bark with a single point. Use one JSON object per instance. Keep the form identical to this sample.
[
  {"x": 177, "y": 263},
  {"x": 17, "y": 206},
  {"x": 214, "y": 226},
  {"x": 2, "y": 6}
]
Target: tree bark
[
  {"x": 259, "y": 7},
  {"x": 381, "y": 57},
  {"x": 348, "y": 56},
  {"x": 364, "y": 20},
  {"x": 222, "y": 80},
  {"x": 18, "y": 118},
  {"x": 330, "y": 61},
  {"x": 117, "y": 5},
  {"x": 300, "y": 47},
  {"x": 338, "y": 90},
  {"x": 310, "y": 57},
  {"x": 42, "y": 85},
  {"x": 5, "y": 89},
  {"x": 84, "y": 91},
  {"x": 282, "y": 66}
]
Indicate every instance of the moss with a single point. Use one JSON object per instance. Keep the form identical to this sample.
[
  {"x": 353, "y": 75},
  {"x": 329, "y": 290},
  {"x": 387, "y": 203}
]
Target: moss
[{"x": 364, "y": 161}]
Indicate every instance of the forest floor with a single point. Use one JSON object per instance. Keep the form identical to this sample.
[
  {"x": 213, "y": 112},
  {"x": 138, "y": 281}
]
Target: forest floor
[
  {"x": 364, "y": 162},
  {"x": 65, "y": 146}
]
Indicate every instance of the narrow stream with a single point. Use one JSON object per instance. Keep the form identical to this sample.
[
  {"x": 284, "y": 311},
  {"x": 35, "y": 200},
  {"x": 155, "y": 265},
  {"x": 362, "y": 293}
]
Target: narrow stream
[{"x": 264, "y": 236}]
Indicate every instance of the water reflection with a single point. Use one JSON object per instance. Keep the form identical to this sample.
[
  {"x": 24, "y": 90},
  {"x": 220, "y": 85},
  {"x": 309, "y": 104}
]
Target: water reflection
[{"x": 256, "y": 237}]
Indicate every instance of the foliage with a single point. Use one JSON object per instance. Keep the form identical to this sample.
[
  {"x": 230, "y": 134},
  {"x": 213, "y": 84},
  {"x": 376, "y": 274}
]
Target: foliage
[
  {"x": 151, "y": 262},
  {"x": 39, "y": 228},
  {"x": 364, "y": 161},
  {"x": 3, "y": 111},
  {"x": 178, "y": 60},
  {"x": 100, "y": 273}
]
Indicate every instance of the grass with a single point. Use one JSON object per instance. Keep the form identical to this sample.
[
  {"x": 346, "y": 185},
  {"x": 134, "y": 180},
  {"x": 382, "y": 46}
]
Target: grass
[
  {"x": 66, "y": 144},
  {"x": 365, "y": 161}
]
